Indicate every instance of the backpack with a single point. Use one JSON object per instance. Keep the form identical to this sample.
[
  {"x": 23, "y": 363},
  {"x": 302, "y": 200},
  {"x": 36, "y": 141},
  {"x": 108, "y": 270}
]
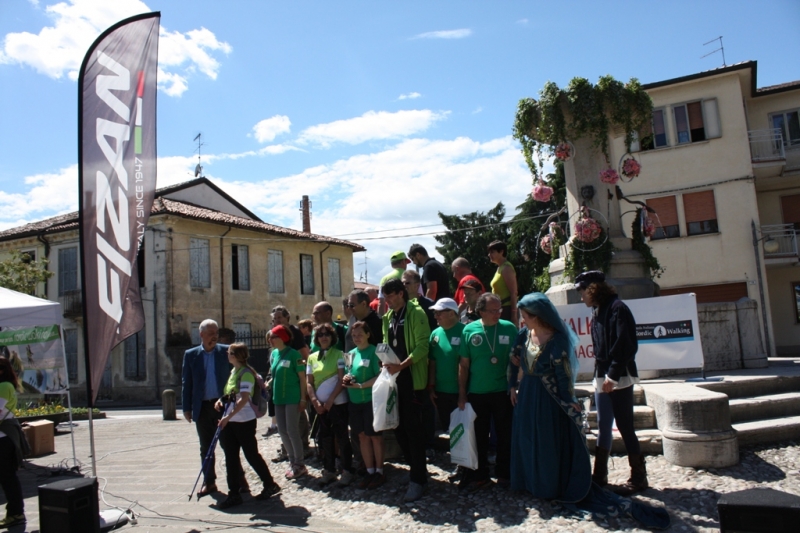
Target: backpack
[{"x": 259, "y": 397}]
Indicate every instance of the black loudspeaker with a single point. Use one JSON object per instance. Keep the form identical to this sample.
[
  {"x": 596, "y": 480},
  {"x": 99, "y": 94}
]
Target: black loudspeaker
[
  {"x": 69, "y": 506},
  {"x": 758, "y": 510}
]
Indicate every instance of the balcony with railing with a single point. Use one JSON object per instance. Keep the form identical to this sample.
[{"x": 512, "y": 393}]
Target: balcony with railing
[
  {"x": 780, "y": 243},
  {"x": 766, "y": 146},
  {"x": 71, "y": 303}
]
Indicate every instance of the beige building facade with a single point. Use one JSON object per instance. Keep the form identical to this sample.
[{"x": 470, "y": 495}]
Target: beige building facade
[
  {"x": 204, "y": 256},
  {"x": 721, "y": 168}
]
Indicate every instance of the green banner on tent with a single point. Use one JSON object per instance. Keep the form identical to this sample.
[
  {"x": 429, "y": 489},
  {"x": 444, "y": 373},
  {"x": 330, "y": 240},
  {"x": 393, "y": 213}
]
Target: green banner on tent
[{"x": 33, "y": 335}]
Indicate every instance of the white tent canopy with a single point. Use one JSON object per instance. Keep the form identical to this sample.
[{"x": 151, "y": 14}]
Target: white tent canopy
[{"x": 17, "y": 309}]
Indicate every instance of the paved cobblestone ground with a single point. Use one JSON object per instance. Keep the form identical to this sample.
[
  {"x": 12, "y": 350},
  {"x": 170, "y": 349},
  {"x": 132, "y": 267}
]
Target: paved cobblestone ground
[{"x": 146, "y": 460}]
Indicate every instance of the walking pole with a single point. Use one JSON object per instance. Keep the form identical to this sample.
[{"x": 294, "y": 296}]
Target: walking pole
[{"x": 210, "y": 452}]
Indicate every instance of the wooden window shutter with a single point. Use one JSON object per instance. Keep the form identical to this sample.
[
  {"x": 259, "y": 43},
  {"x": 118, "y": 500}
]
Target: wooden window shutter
[
  {"x": 790, "y": 207},
  {"x": 666, "y": 211},
  {"x": 706, "y": 294},
  {"x": 695, "y": 115},
  {"x": 699, "y": 206}
]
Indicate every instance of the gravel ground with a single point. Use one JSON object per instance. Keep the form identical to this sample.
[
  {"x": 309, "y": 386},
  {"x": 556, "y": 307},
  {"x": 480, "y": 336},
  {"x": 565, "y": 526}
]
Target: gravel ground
[{"x": 690, "y": 495}]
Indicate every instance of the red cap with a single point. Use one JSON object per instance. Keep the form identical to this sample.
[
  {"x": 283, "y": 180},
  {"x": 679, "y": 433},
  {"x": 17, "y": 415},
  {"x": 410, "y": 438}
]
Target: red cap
[{"x": 282, "y": 332}]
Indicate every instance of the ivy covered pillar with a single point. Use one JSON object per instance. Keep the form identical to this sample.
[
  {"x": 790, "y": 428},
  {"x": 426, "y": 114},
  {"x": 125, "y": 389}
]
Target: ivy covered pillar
[{"x": 628, "y": 272}]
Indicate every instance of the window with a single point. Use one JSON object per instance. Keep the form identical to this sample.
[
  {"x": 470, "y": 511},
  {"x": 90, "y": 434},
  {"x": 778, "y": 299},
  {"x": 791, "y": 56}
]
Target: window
[
  {"x": 240, "y": 268},
  {"x": 67, "y": 270},
  {"x": 656, "y": 137},
  {"x": 706, "y": 294},
  {"x": 700, "y": 212},
  {"x": 789, "y": 124},
  {"x": 199, "y": 264},
  {"x": 275, "y": 270},
  {"x": 334, "y": 278},
  {"x": 696, "y": 121},
  {"x": 243, "y": 333},
  {"x": 665, "y": 217},
  {"x": 194, "y": 332},
  {"x": 790, "y": 210},
  {"x": 307, "y": 274},
  {"x": 135, "y": 356},
  {"x": 71, "y": 350}
]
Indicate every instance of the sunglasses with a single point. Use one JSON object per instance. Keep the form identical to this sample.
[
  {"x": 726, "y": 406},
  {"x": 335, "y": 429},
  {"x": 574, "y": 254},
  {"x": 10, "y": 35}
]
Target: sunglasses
[
  {"x": 351, "y": 306},
  {"x": 324, "y": 334}
]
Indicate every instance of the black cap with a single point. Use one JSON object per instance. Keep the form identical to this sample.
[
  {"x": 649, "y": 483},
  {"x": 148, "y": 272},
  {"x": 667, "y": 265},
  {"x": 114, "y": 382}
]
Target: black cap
[{"x": 585, "y": 279}]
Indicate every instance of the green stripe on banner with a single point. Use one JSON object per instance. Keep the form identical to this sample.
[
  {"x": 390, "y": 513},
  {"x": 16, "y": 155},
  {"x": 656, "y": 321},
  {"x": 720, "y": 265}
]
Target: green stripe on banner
[
  {"x": 137, "y": 134},
  {"x": 37, "y": 334}
]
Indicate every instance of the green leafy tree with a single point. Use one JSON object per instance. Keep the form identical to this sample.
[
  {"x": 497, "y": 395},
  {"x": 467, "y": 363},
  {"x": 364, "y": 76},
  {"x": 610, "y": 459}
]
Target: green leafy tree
[
  {"x": 469, "y": 235},
  {"x": 20, "y": 273}
]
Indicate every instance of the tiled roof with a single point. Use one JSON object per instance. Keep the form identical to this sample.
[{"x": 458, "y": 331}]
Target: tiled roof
[
  {"x": 165, "y": 206},
  {"x": 786, "y": 85}
]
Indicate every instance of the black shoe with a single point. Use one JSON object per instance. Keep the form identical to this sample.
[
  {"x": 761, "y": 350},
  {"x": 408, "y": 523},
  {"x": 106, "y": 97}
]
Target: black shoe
[
  {"x": 280, "y": 458},
  {"x": 268, "y": 492},
  {"x": 231, "y": 501}
]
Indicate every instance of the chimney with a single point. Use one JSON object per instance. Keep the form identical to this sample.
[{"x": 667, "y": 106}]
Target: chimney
[{"x": 305, "y": 207}]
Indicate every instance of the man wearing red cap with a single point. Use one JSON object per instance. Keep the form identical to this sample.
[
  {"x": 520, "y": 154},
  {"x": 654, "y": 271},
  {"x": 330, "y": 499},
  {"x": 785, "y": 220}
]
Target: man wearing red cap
[{"x": 462, "y": 272}]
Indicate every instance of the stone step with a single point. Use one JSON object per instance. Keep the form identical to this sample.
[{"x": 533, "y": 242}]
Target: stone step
[
  {"x": 752, "y": 386},
  {"x": 644, "y": 417},
  {"x": 765, "y": 407},
  {"x": 649, "y": 441},
  {"x": 768, "y": 431},
  {"x": 583, "y": 390}
]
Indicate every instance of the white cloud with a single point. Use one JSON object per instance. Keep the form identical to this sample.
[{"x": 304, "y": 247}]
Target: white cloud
[
  {"x": 269, "y": 128},
  {"x": 522, "y": 22},
  {"x": 47, "y": 195},
  {"x": 372, "y": 125},
  {"x": 409, "y": 96},
  {"x": 445, "y": 34},
  {"x": 477, "y": 110},
  {"x": 58, "y": 50}
]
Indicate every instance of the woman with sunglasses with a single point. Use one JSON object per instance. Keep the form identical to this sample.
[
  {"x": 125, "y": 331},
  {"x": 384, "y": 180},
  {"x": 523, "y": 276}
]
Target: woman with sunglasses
[
  {"x": 239, "y": 429},
  {"x": 324, "y": 375},
  {"x": 289, "y": 394}
]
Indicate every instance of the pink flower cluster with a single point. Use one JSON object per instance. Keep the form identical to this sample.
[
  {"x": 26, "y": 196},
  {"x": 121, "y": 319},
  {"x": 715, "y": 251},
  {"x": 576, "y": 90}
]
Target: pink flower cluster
[
  {"x": 631, "y": 168},
  {"x": 609, "y": 176},
  {"x": 546, "y": 244},
  {"x": 587, "y": 229},
  {"x": 563, "y": 151},
  {"x": 541, "y": 192}
]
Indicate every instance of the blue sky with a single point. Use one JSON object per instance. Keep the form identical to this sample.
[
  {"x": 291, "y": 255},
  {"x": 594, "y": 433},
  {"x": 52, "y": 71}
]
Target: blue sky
[{"x": 382, "y": 112}]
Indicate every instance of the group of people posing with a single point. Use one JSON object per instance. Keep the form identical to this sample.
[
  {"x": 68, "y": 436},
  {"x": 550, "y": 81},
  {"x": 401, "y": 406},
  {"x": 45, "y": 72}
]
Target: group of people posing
[{"x": 513, "y": 361}]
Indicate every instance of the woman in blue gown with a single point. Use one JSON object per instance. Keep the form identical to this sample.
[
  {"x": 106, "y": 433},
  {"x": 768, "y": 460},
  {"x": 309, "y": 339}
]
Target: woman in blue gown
[{"x": 549, "y": 457}]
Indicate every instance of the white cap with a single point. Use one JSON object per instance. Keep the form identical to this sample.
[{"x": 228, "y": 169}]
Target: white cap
[{"x": 445, "y": 303}]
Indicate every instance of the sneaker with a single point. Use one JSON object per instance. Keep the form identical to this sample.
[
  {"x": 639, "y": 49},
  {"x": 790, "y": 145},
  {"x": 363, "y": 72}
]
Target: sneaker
[
  {"x": 268, "y": 492},
  {"x": 280, "y": 458},
  {"x": 364, "y": 483},
  {"x": 12, "y": 520},
  {"x": 231, "y": 501},
  {"x": 297, "y": 472},
  {"x": 377, "y": 480},
  {"x": 456, "y": 476},
  {"x": 414, "y": 492},
  {"x": 346, "y": 479},
  {"x": 327, "y": 477},
  {"x": 272, "y": 430}
]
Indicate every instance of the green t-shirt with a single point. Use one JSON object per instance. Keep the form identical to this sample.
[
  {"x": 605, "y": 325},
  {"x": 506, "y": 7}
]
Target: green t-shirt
[
  {"x": 8, "y": 397},
  {"x": 445, "y": 349},
  {"x": 396, "y": 273},
  {"x": 488, "y": 352},
  {"x": 284, "y": 367},
  {"x": 325, "y": 369},
  {"x": 248, "y": 385},
  {"x": 364, "y": 365}
]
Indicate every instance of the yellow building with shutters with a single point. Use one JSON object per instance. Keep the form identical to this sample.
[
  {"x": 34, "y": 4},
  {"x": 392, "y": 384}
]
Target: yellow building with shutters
[
  {"x": 721, "y": 168},
  {"x": 204, "y": 256}
]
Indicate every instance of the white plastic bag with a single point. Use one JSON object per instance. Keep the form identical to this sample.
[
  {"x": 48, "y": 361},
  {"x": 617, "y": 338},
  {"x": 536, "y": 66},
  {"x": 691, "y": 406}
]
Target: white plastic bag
[
  {"x": 385, "y": 412},
  {"x": 463, "y": 444}
]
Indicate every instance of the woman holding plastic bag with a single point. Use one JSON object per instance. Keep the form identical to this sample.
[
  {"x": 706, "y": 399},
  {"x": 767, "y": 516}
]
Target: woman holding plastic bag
[
  {"x": 362, "y": 368},
  {"x": 549, "y": 457}
]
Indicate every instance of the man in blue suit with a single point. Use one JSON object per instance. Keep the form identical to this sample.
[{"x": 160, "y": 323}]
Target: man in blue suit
[{"x": 205, "y": 372}]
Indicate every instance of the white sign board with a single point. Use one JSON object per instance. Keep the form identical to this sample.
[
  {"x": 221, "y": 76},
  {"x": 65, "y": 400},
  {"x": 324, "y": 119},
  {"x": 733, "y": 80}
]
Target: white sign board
[{"x": 666, "y": 327}]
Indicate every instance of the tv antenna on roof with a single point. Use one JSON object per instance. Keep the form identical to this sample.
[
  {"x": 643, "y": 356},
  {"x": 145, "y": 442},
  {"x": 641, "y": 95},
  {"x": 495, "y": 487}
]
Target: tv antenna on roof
[
  {"x": 720, "y": 49},
  {"x": 198, "y": 170}
]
